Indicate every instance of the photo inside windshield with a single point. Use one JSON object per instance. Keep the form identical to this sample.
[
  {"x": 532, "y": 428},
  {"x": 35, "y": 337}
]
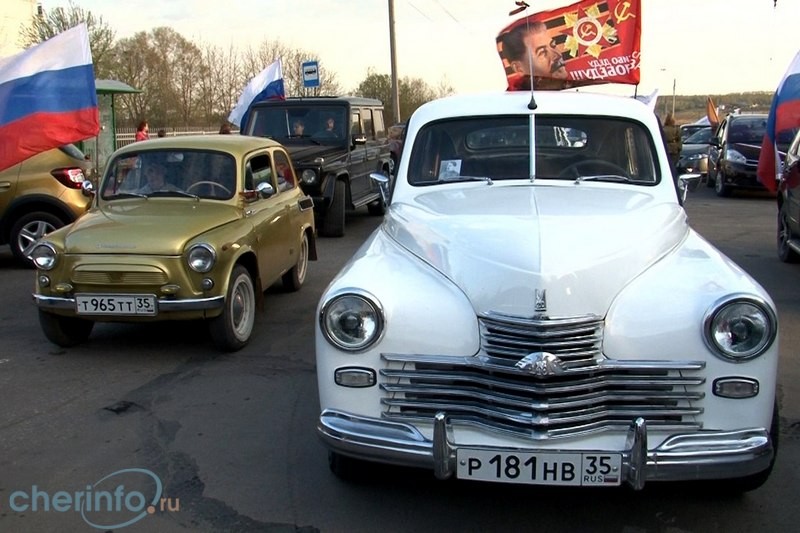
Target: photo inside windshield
[
  {"x": 171, "y": 173},
  {"x": 498, "y": 148},
  {"x": 319, "y": 124}
]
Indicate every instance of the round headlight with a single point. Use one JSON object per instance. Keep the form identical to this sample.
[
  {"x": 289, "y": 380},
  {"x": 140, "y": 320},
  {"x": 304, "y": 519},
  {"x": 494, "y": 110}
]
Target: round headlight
[
  {"x": 201, "y": 258},
  {"x": 352, "y": 322},
  {"x": 44, "y": 256},
  {"x": 308, "y": 176},
  {"x": 740, "y": 329}
]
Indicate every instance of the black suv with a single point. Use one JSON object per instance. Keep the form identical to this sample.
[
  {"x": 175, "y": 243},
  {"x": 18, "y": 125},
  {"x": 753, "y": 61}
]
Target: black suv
[
  {"x": 734, "y": 151},
  {"x": 335, "y": 143}
]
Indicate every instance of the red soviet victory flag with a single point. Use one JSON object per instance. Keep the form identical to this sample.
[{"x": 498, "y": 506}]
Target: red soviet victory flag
[{"x": 585, "y": 43}]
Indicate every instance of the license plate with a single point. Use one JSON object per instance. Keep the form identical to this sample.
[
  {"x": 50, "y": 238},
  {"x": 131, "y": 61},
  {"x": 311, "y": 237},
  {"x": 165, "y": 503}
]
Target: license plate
[
  {"x": 107, "y": 304},
  {"x": 552, "y": 468}
]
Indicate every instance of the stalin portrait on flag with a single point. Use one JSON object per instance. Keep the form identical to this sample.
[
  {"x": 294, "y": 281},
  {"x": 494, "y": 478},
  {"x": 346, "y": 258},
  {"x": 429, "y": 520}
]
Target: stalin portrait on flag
[{"x": 585, "y": 43}]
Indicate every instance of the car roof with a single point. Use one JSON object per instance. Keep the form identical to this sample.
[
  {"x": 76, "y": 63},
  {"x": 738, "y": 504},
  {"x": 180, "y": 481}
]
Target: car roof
[
  {"x": 213, "y": 141},
  {"x": 547, "y": 102},
  {"x": 295, "y": 100}
]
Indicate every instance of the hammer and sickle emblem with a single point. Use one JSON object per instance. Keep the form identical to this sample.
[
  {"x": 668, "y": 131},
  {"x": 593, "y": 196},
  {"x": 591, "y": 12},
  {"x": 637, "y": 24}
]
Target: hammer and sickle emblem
[
  {"x": 587, "y": 32},
  {"x": 622, "y": 12}
]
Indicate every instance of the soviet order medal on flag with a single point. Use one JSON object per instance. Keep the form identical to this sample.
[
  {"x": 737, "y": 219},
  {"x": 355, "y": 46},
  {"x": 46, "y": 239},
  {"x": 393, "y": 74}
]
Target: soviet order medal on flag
[
  {"x": 47, "y": 97},
  {"x": 585, "y": 43}
]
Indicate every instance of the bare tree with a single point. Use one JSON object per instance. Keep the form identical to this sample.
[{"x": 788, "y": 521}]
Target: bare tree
[{"x": 52, "y": 22}]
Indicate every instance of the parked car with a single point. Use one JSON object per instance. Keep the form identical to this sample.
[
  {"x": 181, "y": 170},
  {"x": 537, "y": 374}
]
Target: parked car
[
  {"x": 183, "y": 228},
  {"x": 41, "y": 194},
  {"x": 693, "y": 157},
  {"x": 333, "y": 164},
  {"x": 789, "y": 205},
  {"x": 734, "y": 152},
  {"x": 687, "y": 130},
  {"x": 545, "y": 314}
]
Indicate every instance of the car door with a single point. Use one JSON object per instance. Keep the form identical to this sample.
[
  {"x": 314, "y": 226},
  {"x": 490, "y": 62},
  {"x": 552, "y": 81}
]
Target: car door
[
  {"x": 715, "y": 151},
  {"x": 359, "y": 169},
  {"x": 268, "y": 217},
  {"x": 791, "y": 182}
]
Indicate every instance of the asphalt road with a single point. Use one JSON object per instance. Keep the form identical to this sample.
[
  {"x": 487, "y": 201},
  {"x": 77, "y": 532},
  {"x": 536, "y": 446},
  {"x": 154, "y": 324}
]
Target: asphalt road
[{"x": 231, "y": 437}]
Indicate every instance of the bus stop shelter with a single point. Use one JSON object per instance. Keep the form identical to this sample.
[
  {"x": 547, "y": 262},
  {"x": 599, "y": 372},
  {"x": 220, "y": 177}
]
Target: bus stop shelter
[{"x": 100, "y": 148}]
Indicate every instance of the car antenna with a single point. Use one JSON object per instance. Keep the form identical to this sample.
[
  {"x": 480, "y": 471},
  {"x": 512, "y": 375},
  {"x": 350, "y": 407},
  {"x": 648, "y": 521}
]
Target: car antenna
[{"x": 523, "y": 6}]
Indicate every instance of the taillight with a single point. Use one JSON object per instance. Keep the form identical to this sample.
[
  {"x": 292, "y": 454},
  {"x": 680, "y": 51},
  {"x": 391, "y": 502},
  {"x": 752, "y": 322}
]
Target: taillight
[{"x": 69, "y": 177}]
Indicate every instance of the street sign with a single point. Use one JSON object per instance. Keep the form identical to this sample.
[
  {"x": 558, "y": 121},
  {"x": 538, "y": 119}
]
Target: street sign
[{"x": 310, "y": 74}]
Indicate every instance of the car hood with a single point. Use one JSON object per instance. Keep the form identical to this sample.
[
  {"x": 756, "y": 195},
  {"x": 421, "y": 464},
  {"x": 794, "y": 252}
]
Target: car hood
[
  {"x": 305, "y": 154},
  {"x": 507, "y": 247},
  {"x": 691, "y": 149},
  {"x": 749, "y": 151},
  {"x": 145, "y": 227}
]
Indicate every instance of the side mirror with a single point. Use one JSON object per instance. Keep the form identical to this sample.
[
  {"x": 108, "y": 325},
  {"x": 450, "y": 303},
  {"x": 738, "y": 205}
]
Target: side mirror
[
  {"x": 383, "y": 185},
  {"x": 688, "y": 183},
  {"x": 265, "y": 189},
  {"x": 87, "y": 188},
  {"x": 359, "y": 138}
]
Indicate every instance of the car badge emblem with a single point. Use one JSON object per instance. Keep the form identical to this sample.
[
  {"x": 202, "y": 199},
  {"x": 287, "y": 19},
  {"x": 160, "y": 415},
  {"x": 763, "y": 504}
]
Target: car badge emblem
[
  {"x": 540, "y": 300},
  {"x": 541, "y": 364}
]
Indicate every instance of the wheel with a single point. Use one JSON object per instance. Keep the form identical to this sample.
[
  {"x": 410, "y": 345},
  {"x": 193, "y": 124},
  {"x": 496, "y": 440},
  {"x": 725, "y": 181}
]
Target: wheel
[
  {"x": 347, "y": 468},
  {"x": 294, "y": 278},
  {"x": 785, "y": 254},
  {"x": 720, "y": 187},
  {"x": 711, "y": 180},
  {"x": 231, "y": 330},
  {"x": 592, "y": 167},
  {"x": 29, "y": 229},
  {"x": 333, "y": 222},
  {"x": 64, "y": 331},
  {"x": 212, "y": 184}
]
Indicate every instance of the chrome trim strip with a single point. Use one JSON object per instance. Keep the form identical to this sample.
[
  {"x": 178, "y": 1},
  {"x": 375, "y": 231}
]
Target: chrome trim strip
[
  {"x": 194, "y": 304},
  {"x": 683, "y": 456}
]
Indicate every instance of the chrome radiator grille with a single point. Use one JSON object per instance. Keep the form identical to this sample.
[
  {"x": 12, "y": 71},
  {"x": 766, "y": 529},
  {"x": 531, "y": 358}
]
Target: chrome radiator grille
[{"x": 585, "y": 394}]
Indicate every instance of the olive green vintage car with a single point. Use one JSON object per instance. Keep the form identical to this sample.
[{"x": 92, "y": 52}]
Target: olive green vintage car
[{"x": 181, "y": 228}]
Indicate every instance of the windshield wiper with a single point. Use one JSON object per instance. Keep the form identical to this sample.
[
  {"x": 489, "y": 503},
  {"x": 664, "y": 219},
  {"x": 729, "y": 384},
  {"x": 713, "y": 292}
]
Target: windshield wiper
[
  {"x": 128, "y": 195},
  {"x": 604, "y": 177},
  {"x": 456, "y": 179},
  {"x": 171, "y": 193}
]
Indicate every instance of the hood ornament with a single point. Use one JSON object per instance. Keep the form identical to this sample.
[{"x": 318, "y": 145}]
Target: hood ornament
[
  {"x": 539, "y": 300},
  {"x": 541, "y": 364}
]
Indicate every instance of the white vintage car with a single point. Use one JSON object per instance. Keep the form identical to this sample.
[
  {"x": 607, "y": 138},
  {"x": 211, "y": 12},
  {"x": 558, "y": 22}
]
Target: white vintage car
[{"x": 536, "y": 309}]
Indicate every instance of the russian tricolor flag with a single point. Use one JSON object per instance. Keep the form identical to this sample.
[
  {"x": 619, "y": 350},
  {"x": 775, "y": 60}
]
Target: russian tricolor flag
[
  {"x": 784, "y": 114},
  {"x": 47, "y": 97},
  {"x": 267, "y": 85}
]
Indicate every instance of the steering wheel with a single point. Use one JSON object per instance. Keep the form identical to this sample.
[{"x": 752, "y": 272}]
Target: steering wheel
[
  {"x": 211, "y": 183},
  {"x": 591, "y": 167}
]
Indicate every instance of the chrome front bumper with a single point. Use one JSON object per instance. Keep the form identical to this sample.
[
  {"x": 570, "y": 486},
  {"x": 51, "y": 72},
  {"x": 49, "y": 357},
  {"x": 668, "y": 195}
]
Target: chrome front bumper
[
  {"x": 683, "y": 456},
  {"x": 164, "y": 305}
]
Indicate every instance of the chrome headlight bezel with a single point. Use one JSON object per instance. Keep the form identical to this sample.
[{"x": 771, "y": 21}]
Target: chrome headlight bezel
[
  {"x": 44, "y": 256},
  {"x": 365, "y": 313},
  {"x": 744, "y": 312},
  {"x": 201, "y": 257}
]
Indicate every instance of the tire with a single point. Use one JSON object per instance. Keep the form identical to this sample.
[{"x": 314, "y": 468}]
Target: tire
[
  {"x": 65, "y": 331},
  {"x": 785, "y": 254},
  {"x": 710, "y": 182},
  {"x": 231, "y": 330},
  {"x": 347, "y": 468},
  {"x": 294, "y": 278},
  {"x": 721, "y": 189},
  {"x": 333, "y": 222},
  {"x": 27, "y": 230}
]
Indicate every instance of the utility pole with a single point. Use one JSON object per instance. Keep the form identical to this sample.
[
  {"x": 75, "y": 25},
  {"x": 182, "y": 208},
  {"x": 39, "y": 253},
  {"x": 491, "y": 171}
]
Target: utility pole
[
  {"x": 393, "y": 53},
  {"x": 674, "y": 83}
]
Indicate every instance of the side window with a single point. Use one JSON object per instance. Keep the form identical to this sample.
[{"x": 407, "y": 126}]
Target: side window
[
  {"x": 378, "y": 124},
  {"x": 258, "y": 170},
  {"x": 286, "y": 179},
  {"x": 367, "y": 118},
  {"x": 355, "y": 123}
]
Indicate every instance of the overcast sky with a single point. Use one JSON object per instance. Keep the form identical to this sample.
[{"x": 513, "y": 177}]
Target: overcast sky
[{"x": 706, "y": 46}]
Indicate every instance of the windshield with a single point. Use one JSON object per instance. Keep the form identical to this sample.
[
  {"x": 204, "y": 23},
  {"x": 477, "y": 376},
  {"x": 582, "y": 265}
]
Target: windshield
[
  {"x": 702, "y": 136},
  {"x": 295, "y": 123},
  {"x": 567, "y": 147},
  {"x": 181, "y": 173}
]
